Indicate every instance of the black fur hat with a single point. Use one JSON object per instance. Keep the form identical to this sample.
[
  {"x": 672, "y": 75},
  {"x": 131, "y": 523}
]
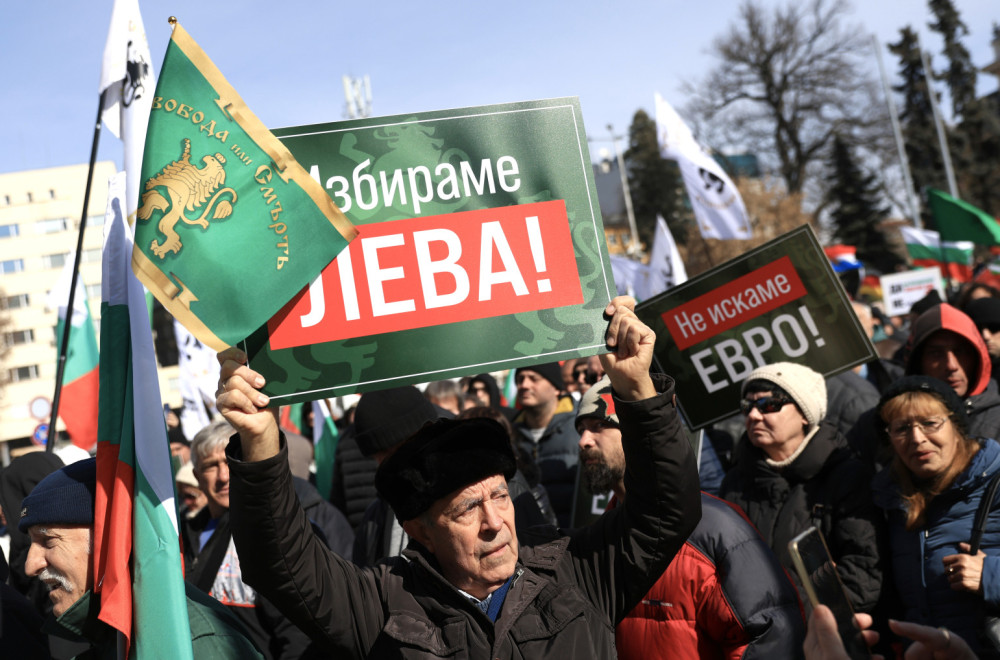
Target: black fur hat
[{"x": 441, "y": 458}]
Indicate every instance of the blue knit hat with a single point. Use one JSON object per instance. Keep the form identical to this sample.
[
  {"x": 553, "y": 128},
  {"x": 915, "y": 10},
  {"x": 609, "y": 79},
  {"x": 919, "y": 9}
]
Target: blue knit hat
[{"x": 65, "y": 497}]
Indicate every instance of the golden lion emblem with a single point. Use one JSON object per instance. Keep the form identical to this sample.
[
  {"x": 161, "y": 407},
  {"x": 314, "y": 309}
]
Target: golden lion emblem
[{"x": 188, "y": 187}]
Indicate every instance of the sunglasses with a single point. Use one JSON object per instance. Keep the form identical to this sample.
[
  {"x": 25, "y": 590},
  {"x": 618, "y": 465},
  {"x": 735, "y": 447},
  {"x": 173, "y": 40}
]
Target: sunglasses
[{"x": 768, "y": 404}]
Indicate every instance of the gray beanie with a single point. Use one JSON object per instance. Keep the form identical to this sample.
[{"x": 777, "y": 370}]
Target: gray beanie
[{"x": 806, "y": 387}]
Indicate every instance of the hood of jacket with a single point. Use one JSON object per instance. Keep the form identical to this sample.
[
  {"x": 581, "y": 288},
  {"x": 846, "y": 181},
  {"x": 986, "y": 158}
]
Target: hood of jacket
[{"x": 946, "y": 317}]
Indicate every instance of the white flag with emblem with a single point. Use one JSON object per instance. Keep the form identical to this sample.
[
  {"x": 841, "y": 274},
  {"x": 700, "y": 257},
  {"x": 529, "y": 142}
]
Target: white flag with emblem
[
  {"x": 665, "y": 268},
  {"x": 127, "y": 86},
  {"x": 717, "y": 204}
]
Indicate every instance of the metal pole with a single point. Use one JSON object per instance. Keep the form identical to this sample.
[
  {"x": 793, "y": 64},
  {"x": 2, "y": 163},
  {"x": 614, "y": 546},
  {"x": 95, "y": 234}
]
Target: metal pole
[
  {"x": 64, "y": 345},
  {"x": 627, "y": 192},
  {"x": 939, "y": 125},
  {"x": 900, "y": 147}
]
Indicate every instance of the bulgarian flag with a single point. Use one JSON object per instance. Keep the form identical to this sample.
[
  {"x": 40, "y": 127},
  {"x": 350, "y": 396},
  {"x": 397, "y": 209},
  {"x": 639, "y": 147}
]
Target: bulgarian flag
[
  {"x": 78, "y": 400},
  {"x": 954, "y": 258},
  {"x": 960, "y": 221},
  {"x": 137, "y": 563},
  {"x": 325, "y": 438}
]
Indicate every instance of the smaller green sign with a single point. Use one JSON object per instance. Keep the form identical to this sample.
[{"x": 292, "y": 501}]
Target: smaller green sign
[{"x": 781, "y": 302}]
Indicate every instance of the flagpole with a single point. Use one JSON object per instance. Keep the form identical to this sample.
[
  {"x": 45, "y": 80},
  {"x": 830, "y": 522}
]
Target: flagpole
[
  {"x": 897, "y": 132},
  {"x": 68, "y": 323},
  {"x": 939, "y": 125}
]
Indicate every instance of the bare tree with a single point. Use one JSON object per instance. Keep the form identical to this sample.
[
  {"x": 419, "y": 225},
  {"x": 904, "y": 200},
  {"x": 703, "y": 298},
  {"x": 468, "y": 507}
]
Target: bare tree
[{"x": 789, "y": 78}]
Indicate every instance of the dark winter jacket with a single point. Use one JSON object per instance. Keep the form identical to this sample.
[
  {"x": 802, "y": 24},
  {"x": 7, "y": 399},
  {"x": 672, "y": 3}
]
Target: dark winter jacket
[
  {"x": 353, "y": 486},
  {"x": 724, "y": 596},
  {"x": 982, "y": 400},
  {"x": 916, "y": 556},
  {"x": 20, "y": 624},
  {"x": 848, "y": 396},
  {"x": 824, "y": 486},
  {"x": 556, "y": 455},
  {"x": 326, "y": 518},
  {"x": 568, "y": 591}
]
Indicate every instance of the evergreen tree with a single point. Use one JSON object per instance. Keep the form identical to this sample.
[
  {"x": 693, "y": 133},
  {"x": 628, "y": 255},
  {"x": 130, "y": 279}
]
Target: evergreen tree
[
  {"x": 974, "y": 144},
  {"x": 853, "y": 201},
  {"x": 655, "y": 183},
  {"x": 917, "y": 119}
]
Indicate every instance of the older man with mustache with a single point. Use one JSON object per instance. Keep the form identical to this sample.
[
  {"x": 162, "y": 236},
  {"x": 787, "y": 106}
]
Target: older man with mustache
[{"x": 58, "y": 516}]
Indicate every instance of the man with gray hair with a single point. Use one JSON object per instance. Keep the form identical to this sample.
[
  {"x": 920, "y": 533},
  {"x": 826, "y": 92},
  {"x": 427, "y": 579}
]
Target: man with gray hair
[
  {"x": 213, "y": 565},
  {"x": 58, "y": 516}
]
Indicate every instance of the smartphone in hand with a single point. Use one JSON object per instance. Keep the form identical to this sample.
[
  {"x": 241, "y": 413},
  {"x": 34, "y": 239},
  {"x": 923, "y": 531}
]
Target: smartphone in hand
[{"x": 818, "y": 574}]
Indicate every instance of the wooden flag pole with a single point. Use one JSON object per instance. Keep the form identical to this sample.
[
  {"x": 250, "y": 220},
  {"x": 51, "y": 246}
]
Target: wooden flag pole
[{"x": 64, "y": 345}]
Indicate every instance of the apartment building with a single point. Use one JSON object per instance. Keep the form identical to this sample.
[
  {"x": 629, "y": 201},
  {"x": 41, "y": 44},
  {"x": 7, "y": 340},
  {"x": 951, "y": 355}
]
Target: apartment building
[{"x": 39, "y": 225}]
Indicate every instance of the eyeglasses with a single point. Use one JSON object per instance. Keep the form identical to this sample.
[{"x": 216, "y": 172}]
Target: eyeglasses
[
  {"x": 927, "y": 426},
  {"x": 767, "y": 404}
]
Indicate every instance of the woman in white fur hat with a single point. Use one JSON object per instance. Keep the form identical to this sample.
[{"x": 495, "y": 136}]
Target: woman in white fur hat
[{"x": 793, "y": 471}]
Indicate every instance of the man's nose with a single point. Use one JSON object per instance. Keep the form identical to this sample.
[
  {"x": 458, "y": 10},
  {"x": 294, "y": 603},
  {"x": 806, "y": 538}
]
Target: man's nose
[
  {"x": 586, "y": 440},
  {"x": 35, "y": 563},
  {"x": 952, "y": 360},
  {"x": 492, "y": 520},
  {"x": 224, "y": 471}
]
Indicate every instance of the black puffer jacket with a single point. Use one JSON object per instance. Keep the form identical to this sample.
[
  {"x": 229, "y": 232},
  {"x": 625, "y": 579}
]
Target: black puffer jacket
[
  {"x": 825, "y": 486},
  {"x": 568, "y": 594},
  {"x": 353, "y": 486}
]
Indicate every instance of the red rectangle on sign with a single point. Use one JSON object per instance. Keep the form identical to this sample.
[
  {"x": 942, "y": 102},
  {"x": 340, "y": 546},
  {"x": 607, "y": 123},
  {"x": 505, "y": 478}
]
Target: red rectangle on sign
[
  {"x": 438, "y": 269},
  {"x": 739, "y": 301}
]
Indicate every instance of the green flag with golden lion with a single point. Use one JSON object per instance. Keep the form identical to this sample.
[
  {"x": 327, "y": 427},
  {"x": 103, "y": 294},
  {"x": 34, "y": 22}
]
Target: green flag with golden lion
[{"x": 229, "y": 226}]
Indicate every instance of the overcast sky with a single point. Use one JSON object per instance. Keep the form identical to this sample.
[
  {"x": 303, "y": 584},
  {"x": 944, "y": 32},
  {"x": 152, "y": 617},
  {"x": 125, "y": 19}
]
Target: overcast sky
[{"x": 287, "y": 58}]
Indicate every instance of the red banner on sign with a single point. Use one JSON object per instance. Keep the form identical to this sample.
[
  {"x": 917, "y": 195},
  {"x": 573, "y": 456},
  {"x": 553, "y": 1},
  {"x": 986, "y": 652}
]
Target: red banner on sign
[
  {"x": 438, "y": 269},
  {"x": 737, "y": 302}
]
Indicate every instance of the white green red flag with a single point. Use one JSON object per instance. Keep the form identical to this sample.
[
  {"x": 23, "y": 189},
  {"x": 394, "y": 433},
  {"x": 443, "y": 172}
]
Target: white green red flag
[
  {"x": 926, "y": 249},
  {"x": 137, "y": 563},
  {"x": 78, "y": 400}
]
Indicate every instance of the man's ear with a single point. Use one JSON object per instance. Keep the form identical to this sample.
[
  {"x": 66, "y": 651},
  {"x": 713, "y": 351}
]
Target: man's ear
[{"x": 417, "y": 529}]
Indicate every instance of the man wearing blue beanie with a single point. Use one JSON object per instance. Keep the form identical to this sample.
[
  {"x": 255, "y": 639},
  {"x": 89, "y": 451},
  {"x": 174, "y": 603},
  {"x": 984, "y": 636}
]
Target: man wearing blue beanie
[{"x": 58, "y": 516}]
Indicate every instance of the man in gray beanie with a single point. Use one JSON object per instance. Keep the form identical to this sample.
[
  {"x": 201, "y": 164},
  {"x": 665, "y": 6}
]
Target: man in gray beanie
[
  {"x": 545, "y": 431},
  {"x": 793, "y": 470},
  {"x": 469, "y": 584},
  {"x": 58, "y": 516}
]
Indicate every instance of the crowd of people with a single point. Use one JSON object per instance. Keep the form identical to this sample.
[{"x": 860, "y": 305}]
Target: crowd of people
[{"x": 454, "y": 526}]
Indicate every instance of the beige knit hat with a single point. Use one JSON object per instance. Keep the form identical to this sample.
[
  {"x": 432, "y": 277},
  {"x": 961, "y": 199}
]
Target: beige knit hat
[
  {"x": 806, "y": 387},
  {"x": 185, "y": 475}
]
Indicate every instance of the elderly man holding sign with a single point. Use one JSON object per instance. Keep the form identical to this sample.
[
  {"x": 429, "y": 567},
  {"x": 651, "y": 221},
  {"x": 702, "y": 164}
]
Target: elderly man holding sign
[{"x": 467, "y": 582}]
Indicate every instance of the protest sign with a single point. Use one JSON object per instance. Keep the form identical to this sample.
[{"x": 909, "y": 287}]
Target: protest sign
[
  {"x": 480, "y": 247},
  {"x": 780, "y": 302},
  {"x": 901, "y": 290}
]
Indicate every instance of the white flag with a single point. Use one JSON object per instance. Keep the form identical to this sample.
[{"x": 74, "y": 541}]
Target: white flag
[
  {"x": 127, "y": 86},
  {"x": 198, "y": 378},
  {"x": 717, "y": 204},
  {"x": 629, "y": 274},
  {"x": 665, "y": 268}
]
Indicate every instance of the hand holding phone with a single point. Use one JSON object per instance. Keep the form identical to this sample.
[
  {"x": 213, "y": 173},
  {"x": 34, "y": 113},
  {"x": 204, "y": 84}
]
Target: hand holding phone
[{"x": 818, "y": 574}]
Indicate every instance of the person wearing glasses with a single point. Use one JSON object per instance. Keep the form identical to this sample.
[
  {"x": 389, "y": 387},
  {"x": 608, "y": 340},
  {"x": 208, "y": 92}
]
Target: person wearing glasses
[
  {"x": 792, "y": 471},
  {"x": 930, "y": 492}
]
